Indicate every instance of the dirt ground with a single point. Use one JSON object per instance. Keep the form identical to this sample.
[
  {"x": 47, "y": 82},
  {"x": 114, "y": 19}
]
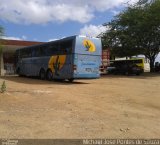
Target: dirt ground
[{"x": 109, "y": 107}]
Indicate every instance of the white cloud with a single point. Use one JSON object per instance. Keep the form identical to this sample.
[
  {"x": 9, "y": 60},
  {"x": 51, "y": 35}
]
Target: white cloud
[
  {"x": 115, "y": 12},
  {"x": 24, "y": 37},
  {"x": 14, "y": 38},
  {"x": 44, "y": 11},
  {"x": 92, "y": 30},
  {"x": 52, "y": 39}
]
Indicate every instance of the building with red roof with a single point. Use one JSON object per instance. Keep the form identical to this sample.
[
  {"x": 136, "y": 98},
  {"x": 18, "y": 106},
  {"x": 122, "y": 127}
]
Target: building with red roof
[{"x": 8, "y": 48}]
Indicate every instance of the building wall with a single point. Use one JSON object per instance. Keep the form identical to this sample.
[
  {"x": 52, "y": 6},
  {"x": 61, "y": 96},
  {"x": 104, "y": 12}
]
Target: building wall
[
  {"x": 7, "y": 59},
  {"x": 7, "y": 62}
]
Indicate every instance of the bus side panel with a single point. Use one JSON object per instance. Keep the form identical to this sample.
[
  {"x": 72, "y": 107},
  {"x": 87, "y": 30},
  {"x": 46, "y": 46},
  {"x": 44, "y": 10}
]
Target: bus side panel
[
  {"x": 27, "y": 66},
  {"x": 24, "y": 66},
  {"x": 61, "y": 66},
  {"x": 32, "y": 66},
  {"x": 38, "y": 63}
]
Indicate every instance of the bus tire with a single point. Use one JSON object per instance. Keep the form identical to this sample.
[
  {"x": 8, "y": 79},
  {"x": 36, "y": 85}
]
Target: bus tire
[
  {"x": 71, "y": 80},
  {"x": 127, "y": 73},
  {"x": 49, "y": 75},
  {"x": 18, "y": 71},
  {"x": 42, "y": 74}
]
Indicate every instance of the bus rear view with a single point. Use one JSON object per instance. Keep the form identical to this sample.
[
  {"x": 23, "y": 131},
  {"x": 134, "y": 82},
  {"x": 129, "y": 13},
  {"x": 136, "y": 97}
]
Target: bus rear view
[{"x": 87, "y": 57}]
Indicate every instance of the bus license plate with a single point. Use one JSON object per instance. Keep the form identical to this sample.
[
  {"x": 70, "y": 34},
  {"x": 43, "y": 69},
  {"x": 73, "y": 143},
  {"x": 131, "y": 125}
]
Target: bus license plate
[{"x": 88, "y": 69}]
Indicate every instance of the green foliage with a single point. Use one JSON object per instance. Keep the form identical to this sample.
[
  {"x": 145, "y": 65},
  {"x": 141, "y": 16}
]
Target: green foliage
[
  {"x": 135, "y": 31},
  {"x": 1, "y": 31},
  {"x": 1, "y": 34},
  {"x": 3, "y": 87}
]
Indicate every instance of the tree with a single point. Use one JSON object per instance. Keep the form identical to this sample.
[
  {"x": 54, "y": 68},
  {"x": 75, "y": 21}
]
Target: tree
[
  {"x": 135, "y": 31},
  {"x": 1, "y": 31},
  {"x": 1, "y": 34}
]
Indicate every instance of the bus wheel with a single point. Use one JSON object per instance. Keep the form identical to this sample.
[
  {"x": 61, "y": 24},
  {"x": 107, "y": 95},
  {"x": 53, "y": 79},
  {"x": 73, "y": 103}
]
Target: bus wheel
[
  {"x": 71, "y": 80},
  {"x": 127, "y": 73},
  {"x": 42, "y": 74},
  {"x": 49, "y": 75},
  {"x": 18, "y": 71}
]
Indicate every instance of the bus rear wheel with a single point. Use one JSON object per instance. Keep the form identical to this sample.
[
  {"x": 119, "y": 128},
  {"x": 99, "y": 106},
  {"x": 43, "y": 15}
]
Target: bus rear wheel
[
  {"x": 49, "y": 75},
  {"x": 71, "y": 80},
  {"x": 18, "y": 71},
  {"x": 42, "y": 74}
]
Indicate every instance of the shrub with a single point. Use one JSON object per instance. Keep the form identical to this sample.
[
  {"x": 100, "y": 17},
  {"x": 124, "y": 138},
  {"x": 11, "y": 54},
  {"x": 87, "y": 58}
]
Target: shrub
[{"x": 3, "y": 87}]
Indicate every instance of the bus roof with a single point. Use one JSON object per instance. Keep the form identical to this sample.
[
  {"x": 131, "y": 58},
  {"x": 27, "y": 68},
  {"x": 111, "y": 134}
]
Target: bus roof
[{"x": 57, "y": 40}]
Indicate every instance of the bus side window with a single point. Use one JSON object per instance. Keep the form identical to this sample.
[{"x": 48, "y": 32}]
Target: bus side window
[
  {"x": 29, "y": 52},
  {"x": 42, "y": 51},
  {"x": 33, "y": 52},
  {"x": 25, "y": 53},
  {"x": 37, "y": 52},
  {"x": 52, "y": 49},
  {"x": 66, "y": 47}
]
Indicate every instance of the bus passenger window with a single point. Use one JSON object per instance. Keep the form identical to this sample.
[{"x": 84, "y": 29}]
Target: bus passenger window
[
  {"x": 26, "y": 53},
  {"x": 66, "y": 47},
  {"x": 52, "y": 49},
  {"x": 33, "y": 52},
  {"x": 42, "y": 51},
  {"x": 37, "y": 52}
]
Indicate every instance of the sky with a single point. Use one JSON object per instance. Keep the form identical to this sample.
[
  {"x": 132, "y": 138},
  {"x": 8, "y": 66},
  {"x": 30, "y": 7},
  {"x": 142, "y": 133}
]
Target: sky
[{"x": 47, "y": 20}]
